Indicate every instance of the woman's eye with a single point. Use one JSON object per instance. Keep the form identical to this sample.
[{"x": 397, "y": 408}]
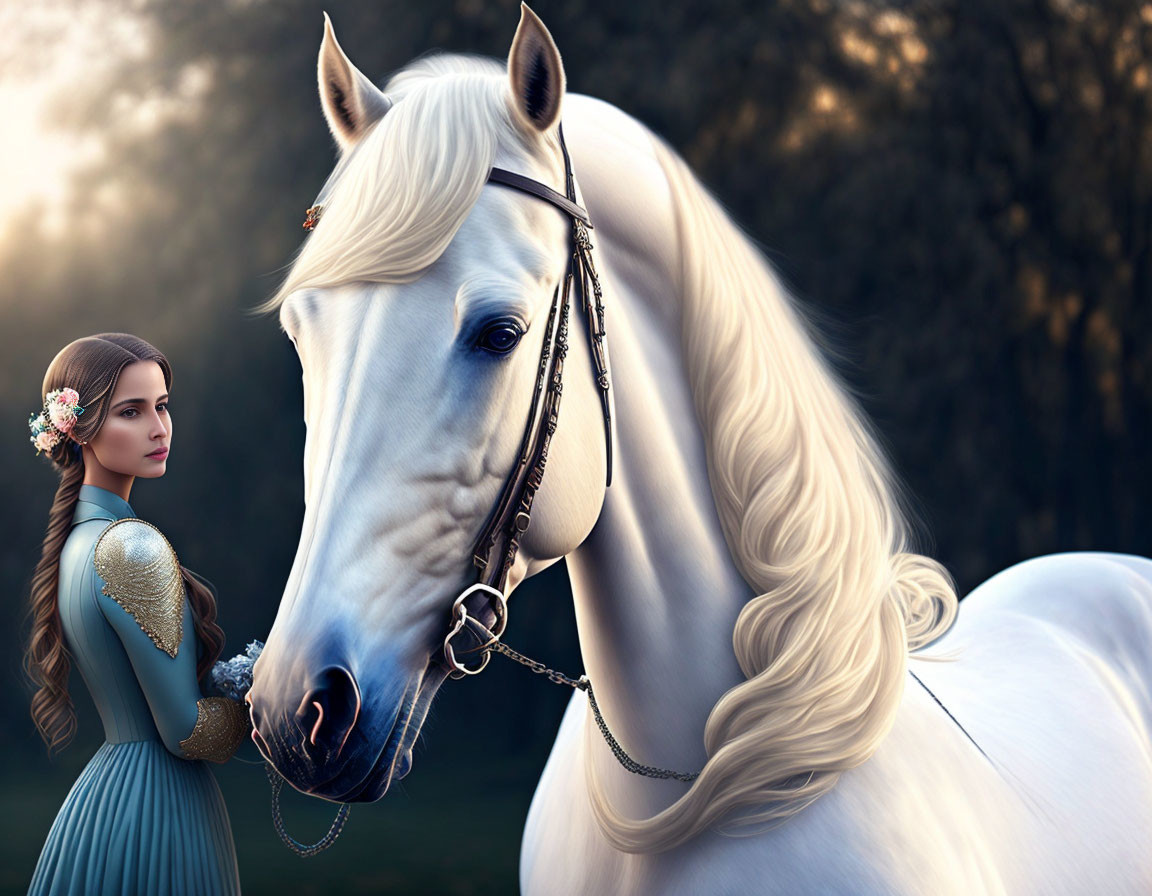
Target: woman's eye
[
  {"x": 500, "y": 338},
  {"x": 129, "y": 413}
]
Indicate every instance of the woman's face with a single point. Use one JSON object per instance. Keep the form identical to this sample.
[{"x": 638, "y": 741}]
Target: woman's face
[{"x": 137, "y": 431}]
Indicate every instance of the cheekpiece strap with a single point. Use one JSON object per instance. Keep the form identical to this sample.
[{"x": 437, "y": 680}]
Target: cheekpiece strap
[{"x": 496, "y": 548}]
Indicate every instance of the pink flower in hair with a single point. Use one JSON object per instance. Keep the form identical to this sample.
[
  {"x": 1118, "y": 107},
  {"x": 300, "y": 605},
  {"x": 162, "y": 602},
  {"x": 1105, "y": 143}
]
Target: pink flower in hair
[
  {"x": 46, "y": 440},
  {"x": 63, "y": 406}
]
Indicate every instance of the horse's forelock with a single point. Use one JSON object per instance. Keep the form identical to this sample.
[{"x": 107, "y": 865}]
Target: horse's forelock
[
  {"x": 438, "y": 64},
  {"x": 393, "y": 203}
]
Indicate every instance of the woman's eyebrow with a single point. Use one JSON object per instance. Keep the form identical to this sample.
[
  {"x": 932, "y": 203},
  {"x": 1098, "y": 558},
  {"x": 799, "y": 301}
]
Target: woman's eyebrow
[{"x": 137, "y": 401}]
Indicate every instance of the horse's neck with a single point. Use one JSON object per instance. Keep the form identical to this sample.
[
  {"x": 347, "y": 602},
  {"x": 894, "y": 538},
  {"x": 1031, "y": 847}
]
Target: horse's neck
[{"x": 656, "y": 591}]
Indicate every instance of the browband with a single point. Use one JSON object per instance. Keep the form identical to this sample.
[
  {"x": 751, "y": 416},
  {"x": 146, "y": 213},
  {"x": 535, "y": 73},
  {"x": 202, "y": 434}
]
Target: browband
[{"x": 527, "y": 185}]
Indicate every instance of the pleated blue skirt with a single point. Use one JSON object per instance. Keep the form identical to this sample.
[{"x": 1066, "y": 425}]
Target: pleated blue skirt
[{"x": 140, "y": 821}]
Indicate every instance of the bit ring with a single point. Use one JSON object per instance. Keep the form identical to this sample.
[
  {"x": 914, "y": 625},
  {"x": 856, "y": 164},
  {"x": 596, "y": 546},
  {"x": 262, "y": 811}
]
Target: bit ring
[{"x": 460, "y": 619}]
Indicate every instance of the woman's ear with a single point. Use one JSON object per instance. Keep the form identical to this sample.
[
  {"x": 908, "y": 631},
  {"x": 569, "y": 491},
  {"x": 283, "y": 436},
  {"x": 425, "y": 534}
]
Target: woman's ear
[
  {"x": 352, "y": 103},
  {"x": 535, "y": 73}
]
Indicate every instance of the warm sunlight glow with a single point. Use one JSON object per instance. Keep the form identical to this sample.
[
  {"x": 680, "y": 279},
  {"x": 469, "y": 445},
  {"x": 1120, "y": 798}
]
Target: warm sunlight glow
[
  {"x": 48, "y": 51},
  {"x": 35, "y": 160}
]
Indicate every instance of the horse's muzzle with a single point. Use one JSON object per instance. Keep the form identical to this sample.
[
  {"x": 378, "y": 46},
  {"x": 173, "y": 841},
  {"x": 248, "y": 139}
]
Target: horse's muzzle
[{"x": 333, "y": 740}]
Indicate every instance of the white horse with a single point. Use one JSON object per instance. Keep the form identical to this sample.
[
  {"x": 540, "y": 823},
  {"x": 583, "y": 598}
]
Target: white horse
[{"x": 747, "y": 591}]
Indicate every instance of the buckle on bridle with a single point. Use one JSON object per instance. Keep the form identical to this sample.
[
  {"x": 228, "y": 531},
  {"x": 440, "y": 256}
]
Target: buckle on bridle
[{"x": 460, "y": 619}]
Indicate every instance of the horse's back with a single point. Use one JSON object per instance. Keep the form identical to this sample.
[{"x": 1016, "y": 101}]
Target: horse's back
[
  {"x": 1098, "y": 605},
  {"x": 1052, "y": 678}
]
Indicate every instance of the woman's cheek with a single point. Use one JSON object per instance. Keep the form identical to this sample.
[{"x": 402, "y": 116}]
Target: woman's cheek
[{"x": 120, "y": 447}]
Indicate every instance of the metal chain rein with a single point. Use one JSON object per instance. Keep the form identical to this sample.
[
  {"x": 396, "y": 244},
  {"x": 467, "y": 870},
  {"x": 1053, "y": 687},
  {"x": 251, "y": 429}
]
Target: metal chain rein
[
  {"x": 301, "y": 849},
  {"x": 582, "y": 683}
]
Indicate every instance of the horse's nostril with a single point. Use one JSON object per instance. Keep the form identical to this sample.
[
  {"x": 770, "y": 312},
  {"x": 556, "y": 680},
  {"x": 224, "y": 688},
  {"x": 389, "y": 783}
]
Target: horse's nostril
[
  {"x": 328, "y": 712},
  {"x": 319, "y": 721}
]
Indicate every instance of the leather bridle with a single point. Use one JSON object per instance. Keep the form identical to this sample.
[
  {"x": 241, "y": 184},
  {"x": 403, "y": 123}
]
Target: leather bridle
[{"x": 496, "y": 548}]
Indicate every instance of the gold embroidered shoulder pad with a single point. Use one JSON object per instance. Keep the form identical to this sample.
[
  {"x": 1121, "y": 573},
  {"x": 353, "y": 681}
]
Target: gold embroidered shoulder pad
[
  {"x": 142, "y": 574},
  {"x": 221, "y": 726}
]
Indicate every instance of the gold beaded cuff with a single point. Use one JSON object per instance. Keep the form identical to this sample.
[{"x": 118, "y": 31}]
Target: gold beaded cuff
[
  {"x": 221, "y": 724},
  {"x": 141, "y": 573}
]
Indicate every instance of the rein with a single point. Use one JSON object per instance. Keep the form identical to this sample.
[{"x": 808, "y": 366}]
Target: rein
[
  {"x": 303, "y": 850},
  {"x": 492, "y": 644}
]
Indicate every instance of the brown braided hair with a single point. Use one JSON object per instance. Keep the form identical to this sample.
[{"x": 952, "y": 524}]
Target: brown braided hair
[{"x": 92, "y": 367}]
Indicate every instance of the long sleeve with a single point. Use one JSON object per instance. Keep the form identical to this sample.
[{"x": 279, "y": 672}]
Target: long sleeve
[{"x": 141, "y": 594}]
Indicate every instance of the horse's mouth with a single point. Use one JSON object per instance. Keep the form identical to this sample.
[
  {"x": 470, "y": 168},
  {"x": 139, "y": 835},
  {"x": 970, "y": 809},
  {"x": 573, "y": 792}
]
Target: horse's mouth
[{"x": 394, "y": 760}]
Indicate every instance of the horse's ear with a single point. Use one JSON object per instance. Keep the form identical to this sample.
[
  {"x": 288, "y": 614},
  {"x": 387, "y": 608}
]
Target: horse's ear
[
  {"x": 535, "y": 73},
  {"x": 352, "y": 103}
]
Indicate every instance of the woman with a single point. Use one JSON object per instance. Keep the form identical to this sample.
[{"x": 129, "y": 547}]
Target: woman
[{"x": 146, "y": 815}]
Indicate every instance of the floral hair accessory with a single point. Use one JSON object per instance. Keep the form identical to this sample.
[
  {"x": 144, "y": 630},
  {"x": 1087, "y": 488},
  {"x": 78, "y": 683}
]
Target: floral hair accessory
[
  {"x": 61, "y": 409},
  {"x": 44, "y": 437}
]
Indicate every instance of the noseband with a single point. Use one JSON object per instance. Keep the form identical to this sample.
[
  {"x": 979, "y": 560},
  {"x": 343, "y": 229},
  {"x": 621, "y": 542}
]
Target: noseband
[{"x": 496, "y": 548}]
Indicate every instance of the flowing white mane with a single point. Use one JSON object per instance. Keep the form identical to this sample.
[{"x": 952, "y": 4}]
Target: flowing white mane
[
  {"x": 809, "y": 506},
  {"x": 812, "y": 514},
  {"x": 395, "y": 201}
]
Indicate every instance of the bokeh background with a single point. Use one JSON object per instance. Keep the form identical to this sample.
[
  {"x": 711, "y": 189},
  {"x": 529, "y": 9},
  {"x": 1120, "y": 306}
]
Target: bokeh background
[{"x": 962, "y": 189}]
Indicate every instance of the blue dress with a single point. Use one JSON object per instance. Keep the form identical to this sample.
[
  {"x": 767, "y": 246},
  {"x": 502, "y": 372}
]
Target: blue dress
[{"x": 140, "y": 819}]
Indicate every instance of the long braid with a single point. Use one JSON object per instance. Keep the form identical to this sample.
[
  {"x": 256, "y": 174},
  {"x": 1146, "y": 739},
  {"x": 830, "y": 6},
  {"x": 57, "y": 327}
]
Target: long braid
[{"x": 47, "y": 661}]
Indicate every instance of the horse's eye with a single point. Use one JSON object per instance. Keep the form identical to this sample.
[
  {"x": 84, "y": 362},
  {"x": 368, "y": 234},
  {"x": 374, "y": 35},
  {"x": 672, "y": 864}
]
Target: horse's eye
[{"x": 500, "y": 338}]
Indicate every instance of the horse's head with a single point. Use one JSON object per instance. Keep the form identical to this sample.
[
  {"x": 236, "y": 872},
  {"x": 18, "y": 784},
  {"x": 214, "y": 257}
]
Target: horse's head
[{"x": 418, "y": 307}]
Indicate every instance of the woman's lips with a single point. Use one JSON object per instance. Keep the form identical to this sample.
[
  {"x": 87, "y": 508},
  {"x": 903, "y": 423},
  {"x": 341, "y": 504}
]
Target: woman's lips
[{"x": 159, "y": 454}]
